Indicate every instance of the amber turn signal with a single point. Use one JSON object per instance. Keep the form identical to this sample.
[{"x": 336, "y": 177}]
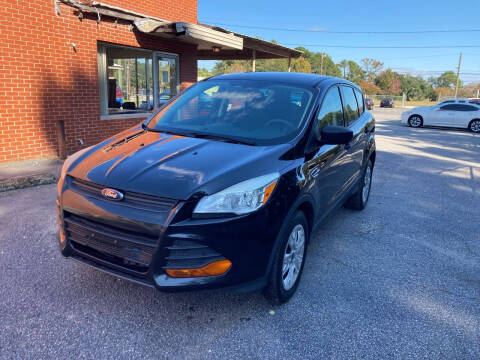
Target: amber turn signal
[
  {"x": 214, "y": 268},
  {"x": 268, "y": 191}
]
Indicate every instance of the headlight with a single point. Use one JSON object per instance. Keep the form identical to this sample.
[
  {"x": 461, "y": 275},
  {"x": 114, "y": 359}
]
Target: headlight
[{"x": 241, "y": 198}]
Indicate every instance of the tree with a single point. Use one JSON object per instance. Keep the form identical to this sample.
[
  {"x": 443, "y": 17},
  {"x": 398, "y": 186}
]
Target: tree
[
  {"x": 231, "y": 66},
  {"x": 355, "y": 72},
  {"x": 371, "y": 67},
  {"x": 448, "y": 80},
  {"x": 386, "y": 81},
  {"x": 315, "y": 59},
  {"x": 204, "y": 72},
  {"x": 343, "y": 65},
  {"x": 416, "y": 88},
  {"x": 369, "y": 88}
]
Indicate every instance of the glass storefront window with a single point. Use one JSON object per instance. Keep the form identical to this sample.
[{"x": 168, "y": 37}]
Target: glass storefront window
[{"x": 135, "y": 80}]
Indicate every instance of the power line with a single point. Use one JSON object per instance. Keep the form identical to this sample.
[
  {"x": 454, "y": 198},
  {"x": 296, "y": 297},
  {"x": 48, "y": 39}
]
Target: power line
[{"x": 348, "y": 32}]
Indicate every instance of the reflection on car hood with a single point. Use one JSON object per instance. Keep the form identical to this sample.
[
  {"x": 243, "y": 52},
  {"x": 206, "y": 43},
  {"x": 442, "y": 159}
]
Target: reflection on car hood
[{"x": 174, "y": 166}]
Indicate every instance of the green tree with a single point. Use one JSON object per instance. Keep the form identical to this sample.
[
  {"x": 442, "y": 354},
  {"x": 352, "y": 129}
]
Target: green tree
[
  {"x": 385, "y": 80},
  {"x": 324, "y": 66},
  {"x": 371, "y": 67},
  {"x": 416, "y": 88},
  {"x": 204, "y": 72},
  {"x": 355, "y": 72},
  {"x": 447, "y": 79},
  {"x": 343, "y": 65}
]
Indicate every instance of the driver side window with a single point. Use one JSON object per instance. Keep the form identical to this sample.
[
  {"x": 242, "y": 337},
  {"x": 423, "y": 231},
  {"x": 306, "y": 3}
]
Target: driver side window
[{"x": 331, "y": 112}]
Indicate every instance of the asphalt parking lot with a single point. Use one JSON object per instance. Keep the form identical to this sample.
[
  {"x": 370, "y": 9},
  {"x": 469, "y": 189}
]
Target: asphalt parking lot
[{"x": 399, "y": 280}]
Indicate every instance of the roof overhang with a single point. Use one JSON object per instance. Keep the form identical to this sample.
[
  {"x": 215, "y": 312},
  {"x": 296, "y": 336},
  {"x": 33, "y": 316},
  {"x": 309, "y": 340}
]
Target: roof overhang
[
  {"x": 212, "y": 43},
  {"x": 204, "y": 37}
]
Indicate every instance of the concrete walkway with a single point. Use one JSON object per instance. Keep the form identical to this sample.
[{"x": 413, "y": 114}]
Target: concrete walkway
[{"x": 21, "y": 174}]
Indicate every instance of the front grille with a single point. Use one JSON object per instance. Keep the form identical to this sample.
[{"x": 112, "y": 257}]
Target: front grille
[
  {"x": 128, "y": 249},
  {"x": 132, "y": 199}
]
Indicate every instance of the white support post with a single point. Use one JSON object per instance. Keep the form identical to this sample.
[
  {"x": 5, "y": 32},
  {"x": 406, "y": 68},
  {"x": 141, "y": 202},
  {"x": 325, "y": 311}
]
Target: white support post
[
  {"x": 289, "y": 62},
  {"x": 254, "y": 56}
]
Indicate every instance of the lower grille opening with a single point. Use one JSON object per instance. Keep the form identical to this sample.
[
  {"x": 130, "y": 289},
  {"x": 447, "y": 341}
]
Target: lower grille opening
[
  {"x": 121, "y": 249},
  {"x": 136, "y": 267}
]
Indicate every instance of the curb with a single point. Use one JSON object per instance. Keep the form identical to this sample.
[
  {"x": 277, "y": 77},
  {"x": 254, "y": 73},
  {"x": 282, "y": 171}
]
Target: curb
[{"x": 21, "y": 182}]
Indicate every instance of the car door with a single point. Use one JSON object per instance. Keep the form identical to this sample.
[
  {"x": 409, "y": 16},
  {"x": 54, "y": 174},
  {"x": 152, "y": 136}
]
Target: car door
[
  {"x": 327, "y": 167},
  {"x": 444, "y": 115},
  {"x": 353, "y": 120},
  {"x": 465, "y": 114}
]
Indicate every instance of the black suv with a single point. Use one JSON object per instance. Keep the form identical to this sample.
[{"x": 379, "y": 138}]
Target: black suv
[{"x": 223, "y": 186}]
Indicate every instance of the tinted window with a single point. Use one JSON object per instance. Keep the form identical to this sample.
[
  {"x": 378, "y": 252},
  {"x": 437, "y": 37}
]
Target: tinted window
[
  {"x": 350, "y": 107},
  {"x": 259, "y": 111},
  {"x": 360, "y": 102},
  {"x": 452, "y": 107},
  {"x": 331, "y": 112},
  {"x": 469, "y": 108}
]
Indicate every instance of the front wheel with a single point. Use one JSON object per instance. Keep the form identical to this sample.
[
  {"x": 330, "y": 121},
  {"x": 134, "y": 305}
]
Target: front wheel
[
  {"x": 475, "y": 126},
  {"x": 415, "y": 121},
  {"x": 289, "y": 259},
  {"x": 359, "y": 199}
]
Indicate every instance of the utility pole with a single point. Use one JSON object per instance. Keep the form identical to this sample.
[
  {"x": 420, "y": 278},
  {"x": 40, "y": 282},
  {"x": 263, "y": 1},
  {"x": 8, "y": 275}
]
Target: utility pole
[
  {"x": 458, "y": 74},
  {"x": 478, "y": 93},
  {"x": 321, "y": 64}
]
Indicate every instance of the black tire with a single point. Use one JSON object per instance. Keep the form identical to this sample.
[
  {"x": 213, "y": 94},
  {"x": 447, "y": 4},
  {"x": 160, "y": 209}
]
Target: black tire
[
  {"x": 415, "y": 121},
  {"x": 358, "y": 201},
  {"x": 474, "y": 126},
  {"x": 275, "y": 291}
]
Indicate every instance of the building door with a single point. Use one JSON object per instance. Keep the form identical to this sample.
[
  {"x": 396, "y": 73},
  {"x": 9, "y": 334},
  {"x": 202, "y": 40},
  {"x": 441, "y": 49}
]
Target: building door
[{"x": 166, "y": 75}]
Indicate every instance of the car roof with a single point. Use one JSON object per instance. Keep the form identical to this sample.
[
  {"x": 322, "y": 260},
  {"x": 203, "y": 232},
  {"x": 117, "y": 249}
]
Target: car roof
[
  {"x": 458, "y": 100},
  {"x": 285, "y": 77}
]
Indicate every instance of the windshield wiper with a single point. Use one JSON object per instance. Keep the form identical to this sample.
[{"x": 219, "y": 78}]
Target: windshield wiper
[
  {"x": 219, "y": 138},
  {"x": 201, "y": 135}
]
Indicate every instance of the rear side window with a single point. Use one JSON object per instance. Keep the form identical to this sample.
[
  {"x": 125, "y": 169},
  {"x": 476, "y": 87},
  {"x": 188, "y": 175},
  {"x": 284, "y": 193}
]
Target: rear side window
[
  {"x": 469, "y": 108},
  {"x": 350, "y": 107},
  {"x": 331, "y": 112},
  {"x": 453, "y": 107},
  {"x": 360, "y": 101}
]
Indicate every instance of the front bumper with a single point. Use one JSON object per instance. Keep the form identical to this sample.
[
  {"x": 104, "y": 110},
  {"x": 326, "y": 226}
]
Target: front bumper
[
  {"x": 139, "y": 244},
  {"x": 405, "y": 116}
]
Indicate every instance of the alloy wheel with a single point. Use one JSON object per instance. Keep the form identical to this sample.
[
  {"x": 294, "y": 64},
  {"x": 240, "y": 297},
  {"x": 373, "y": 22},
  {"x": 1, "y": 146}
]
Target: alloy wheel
[
  {"x": 367, "y": 181},
  {"x": 475, "y": 126},
  {"x": 293, "y": 257},
  {"x": 415, "y": 121}
]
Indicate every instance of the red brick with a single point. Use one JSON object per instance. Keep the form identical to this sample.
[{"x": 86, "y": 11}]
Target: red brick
[{"x": 42, "y": 80}]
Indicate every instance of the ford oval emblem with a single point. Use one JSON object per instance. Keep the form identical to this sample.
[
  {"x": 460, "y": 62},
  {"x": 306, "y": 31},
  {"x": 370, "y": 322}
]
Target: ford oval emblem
[{"x": 112, "y": 194}]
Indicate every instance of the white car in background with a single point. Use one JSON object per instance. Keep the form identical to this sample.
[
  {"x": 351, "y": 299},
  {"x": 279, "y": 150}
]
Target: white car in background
[{"x": 457, "y": 113}]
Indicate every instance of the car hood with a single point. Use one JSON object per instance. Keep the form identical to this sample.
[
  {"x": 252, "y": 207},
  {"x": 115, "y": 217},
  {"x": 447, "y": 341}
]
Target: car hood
[
  {"x": 421, "y": 108},
  {"x": 174, "y": 166}
]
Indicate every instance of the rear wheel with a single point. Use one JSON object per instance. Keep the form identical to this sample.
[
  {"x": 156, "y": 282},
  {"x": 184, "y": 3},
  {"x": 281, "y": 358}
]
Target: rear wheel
[
  {"x": 474, "y": 126},
  {"x": 289, "y": 260},
  {"x": 415, "y": 121},
  {"x": 359, "y": 200}
]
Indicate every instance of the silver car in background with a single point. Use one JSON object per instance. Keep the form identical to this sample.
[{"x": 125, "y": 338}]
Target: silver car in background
[{"x": 457, "y": 113}]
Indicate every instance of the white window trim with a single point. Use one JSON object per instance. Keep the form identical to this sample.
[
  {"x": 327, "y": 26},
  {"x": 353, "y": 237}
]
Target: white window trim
[{"x": 102, "y": 79}]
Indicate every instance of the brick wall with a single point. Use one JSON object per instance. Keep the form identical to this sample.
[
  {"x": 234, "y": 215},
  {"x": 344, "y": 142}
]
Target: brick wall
[{"x": 43, "y": 79}]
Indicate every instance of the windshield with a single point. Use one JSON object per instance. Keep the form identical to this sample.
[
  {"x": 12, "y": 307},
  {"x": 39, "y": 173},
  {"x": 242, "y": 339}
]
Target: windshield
[{"x": 259, "y": 112}]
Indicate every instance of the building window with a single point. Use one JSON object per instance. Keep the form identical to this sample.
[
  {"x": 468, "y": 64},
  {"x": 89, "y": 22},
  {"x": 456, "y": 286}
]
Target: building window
[{"x": 134, "y": 80}]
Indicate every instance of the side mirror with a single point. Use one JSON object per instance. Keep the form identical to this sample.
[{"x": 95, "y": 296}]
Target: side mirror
[{"x": 335, "y": 135}]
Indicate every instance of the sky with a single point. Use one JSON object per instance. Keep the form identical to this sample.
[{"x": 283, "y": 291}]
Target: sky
[{"x": 321, "y": 18}]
